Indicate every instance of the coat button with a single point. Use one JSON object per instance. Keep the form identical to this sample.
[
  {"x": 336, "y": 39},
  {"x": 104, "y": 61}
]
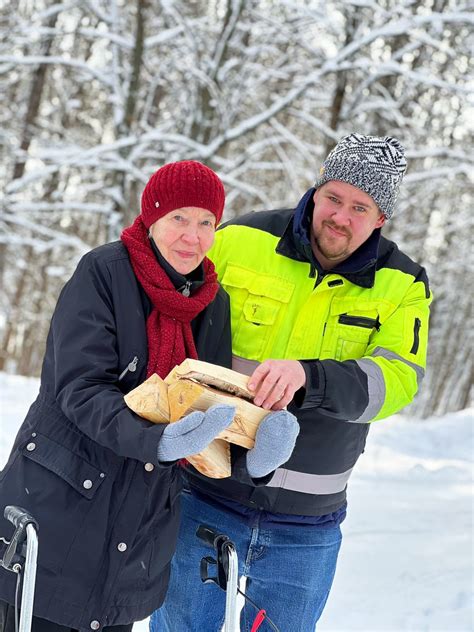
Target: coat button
[
  {"x": 122, "y": 547},
  {"x": 30, "y": 447},
  {"x": 95, "y": 625},
  {"x": 87, "y": 484},
  {"x": 149, "y": 467}
]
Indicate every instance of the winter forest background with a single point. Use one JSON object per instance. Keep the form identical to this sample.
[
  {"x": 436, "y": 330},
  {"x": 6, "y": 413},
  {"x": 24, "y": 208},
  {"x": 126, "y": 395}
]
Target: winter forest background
[{"x": 96, "y": 94}]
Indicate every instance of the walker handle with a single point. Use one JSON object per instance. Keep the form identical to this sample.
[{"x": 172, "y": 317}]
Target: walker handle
[
  {"x": 207, "y": 535},
  {"x": 19, "y": 517}
]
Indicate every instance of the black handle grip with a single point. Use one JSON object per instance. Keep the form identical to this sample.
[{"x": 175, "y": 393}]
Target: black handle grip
[
  {"x": 222, "y": 545},
  {"x": 206, "y": 534},
  {"x": 19, "y": 517}
]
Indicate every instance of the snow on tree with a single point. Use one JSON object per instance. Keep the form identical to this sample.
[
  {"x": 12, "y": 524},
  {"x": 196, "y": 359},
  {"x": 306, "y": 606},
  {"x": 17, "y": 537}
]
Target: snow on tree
[{"x": 96, "y": 95}]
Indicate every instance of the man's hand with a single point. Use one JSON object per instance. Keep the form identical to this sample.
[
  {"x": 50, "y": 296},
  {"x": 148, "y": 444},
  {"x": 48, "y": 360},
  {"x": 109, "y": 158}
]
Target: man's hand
[{"x": 275, "y": 382}]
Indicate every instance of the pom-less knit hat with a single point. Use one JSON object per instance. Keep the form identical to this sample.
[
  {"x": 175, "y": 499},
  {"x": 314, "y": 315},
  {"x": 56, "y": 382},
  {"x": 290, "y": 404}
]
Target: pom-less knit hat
[
  {"x": 372, "y": 164},
  {"x": 182, "y": 184}
]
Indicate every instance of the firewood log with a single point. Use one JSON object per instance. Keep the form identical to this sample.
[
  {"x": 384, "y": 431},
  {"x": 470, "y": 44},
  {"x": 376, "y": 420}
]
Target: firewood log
[
  {"x": 221, "y": 378},
  {"x": 185, "y": 396},
  {"x": 150, "y": 400},
  {"x": 214, "y": 460},
  {"x": 196, "y": 385}
]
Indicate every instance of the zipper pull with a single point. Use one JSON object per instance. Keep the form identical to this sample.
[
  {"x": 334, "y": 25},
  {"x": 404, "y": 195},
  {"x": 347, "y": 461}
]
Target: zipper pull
[
  {"x": 132, "y": 367},
  {"x": 187, "y": 289}
]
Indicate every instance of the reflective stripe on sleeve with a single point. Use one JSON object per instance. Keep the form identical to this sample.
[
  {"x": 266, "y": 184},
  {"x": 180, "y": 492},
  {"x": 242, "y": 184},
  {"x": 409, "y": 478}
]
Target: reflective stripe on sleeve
[
  {"x": 390, "y": 355},
  {"x": 242, "y": 365},
  {"x": 376, "y": 381}
]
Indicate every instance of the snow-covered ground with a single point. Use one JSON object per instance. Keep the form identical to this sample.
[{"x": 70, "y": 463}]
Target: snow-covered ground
[{"x": 407, "y": 557}]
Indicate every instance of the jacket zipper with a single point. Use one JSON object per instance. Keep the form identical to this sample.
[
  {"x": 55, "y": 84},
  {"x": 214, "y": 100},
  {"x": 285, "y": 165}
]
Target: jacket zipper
[
  {"x": 360, "y": 321},
  {"x": 131, "y": 366},
  {"x": 416, "y": 336},
  {"x": 186, "y": 291}
]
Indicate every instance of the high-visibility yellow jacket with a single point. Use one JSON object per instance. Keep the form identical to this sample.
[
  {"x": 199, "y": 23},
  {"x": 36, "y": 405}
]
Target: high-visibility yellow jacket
[{"x": 360, "y": 330}]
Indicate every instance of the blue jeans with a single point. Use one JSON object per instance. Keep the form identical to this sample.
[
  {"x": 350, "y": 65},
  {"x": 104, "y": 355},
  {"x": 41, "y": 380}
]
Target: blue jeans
[{"x": 289, "y": 570}]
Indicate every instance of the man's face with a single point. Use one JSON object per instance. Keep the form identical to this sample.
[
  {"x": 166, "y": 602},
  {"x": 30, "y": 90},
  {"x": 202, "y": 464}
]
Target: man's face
[{"x": 343, "y": 218}]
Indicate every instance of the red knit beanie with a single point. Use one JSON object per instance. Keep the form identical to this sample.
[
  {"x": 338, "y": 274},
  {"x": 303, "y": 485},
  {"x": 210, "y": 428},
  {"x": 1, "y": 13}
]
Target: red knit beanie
[{"x": 182, "y": 184}]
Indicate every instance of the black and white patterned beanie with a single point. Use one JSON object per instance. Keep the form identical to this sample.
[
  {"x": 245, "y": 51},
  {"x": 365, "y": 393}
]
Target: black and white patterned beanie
[{"x": 373, "y": 164}]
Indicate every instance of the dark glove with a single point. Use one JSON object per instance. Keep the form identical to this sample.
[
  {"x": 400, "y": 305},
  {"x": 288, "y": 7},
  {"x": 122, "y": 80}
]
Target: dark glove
[
  {"x": 274, "y": 443},
  {"x": 194, "y": 432}
]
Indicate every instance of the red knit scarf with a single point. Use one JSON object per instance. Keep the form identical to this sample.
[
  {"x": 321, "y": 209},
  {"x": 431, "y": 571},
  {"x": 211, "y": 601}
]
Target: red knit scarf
[{"x": 168, "y": 327}]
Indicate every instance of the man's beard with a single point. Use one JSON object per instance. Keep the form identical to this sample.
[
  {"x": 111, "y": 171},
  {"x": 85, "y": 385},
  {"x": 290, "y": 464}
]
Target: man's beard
[{"x": 327, "y": 246}]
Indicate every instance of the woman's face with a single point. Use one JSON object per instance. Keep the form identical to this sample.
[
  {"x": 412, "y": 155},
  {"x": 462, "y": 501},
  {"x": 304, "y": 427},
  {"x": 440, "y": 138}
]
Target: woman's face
[{"x": 184, "y": 236}]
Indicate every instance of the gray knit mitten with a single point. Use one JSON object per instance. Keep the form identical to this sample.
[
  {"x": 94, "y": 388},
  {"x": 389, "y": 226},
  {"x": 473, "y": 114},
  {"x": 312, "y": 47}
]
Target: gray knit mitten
[
  {"x": 274, "y": 443},
  {"x": 194, "y": 432}
]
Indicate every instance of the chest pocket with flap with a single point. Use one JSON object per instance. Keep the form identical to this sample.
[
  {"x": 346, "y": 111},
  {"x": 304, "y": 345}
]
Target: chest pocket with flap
[
  {"x": 258, "y": 303},
  {"x": 349, "y": 328}
]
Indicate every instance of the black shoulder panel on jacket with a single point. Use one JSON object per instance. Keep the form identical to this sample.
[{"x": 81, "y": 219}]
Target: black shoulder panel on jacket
[
  {"x": 109, "y": 252},
  {"x": 390, "y": 256},
  {"x": 273, "y": 222}
]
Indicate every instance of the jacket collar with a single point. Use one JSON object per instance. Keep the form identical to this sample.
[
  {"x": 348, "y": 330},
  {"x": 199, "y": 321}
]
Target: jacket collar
[{"x": 295, "y": 243}]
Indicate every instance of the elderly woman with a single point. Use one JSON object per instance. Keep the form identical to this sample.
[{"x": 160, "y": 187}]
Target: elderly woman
[{"x": 102, "y": 482}]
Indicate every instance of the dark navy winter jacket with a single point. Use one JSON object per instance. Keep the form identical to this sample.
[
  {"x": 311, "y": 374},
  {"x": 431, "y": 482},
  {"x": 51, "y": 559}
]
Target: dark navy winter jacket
[{"x": 86, "y": 466}]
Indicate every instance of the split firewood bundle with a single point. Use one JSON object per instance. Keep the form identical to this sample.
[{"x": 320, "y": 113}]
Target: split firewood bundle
[{"x": 196, "y": 385}]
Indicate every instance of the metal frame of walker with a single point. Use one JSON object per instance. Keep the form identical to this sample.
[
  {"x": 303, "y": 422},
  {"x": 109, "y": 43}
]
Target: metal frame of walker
[
  {"x": 227, "y": 577},
  {"x": 227, "y": 569},
  {"x": 22, "y": 552},
  {"x": 20, "y": 555}
]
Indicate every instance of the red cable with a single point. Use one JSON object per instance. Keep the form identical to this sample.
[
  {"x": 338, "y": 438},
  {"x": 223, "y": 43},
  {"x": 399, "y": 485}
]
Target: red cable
[{"x": 261, "y": 614}]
